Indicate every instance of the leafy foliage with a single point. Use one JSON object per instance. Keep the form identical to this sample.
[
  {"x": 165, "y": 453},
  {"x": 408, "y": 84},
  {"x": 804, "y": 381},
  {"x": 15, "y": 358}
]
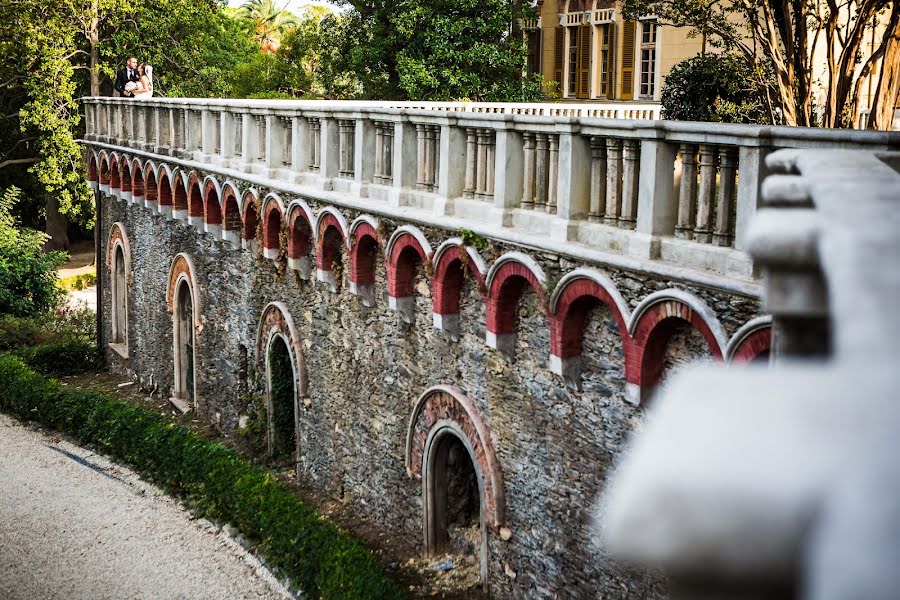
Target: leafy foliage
[
  {"x": 212, "y": 479},
  {"x": 61, "y": 326},
  {"x": 27, "y": 274},
  {"x": 439, "y": 49},
  {"x": 59, "y": 359},
  {"x": 714, "y": 88}
]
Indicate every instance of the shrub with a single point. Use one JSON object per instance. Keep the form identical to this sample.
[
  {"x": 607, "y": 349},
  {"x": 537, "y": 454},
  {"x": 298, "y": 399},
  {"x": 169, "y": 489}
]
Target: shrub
[
  {"x": 63, "y": 325},
  {"x": 212, "y": 479},
  {"x": 27, "y": 274},
  {"x": 719, "y": 88},
  {"x": 58, "y": 359}
]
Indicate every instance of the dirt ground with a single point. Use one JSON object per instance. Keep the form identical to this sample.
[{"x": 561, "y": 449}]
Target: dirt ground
[{"x": 445, "y": 577}]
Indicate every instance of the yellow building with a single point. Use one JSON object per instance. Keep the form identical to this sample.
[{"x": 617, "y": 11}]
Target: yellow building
[{"x": 593, "y": 54}]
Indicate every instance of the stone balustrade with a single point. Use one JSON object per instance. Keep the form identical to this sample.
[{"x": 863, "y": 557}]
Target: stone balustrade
[{"x": 667, "y": 197}]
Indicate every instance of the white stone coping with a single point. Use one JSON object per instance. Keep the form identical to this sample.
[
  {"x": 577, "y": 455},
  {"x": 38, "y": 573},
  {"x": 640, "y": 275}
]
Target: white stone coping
[
  {"x": 341, "y": 219},
  {"x": 301, "y": 205},
  {"x": 369, "y": 220}
]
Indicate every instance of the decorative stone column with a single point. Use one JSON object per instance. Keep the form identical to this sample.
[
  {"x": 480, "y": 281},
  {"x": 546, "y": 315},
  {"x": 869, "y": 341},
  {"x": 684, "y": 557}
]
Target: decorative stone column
[
  {"x": 471, "y": 162},
  {"x": 628, "y": 216},
  {"x": 706, "y": 194},
  {"x": 684, "y": 227},
  {"x": 722, "y": 235},
  {"x": 613, "y": 180},
  {"x": 529, "y": 170},
  {"x": 553, "y": 174}
]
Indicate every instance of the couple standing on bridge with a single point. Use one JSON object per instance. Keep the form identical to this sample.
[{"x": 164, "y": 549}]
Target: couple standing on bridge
[{"x": 135, "y": 81}]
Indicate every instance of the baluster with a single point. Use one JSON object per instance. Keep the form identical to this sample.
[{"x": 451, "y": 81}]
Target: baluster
[
  {"x": 706, "y": 194},
  {"x": 237, "y": 136},
  {"x": 387, "y": 169},
  {"x": 613, "y": 180},
  {"x": 287, "y": 138},
  {"x": 528, "y": 183},
  {"x": 469, "y": 189},
  {"x": 217, "y": 134},
  {"x": 541, "y": 151},
  {"x": 723, "y": 235},
  {"x": 420, "y": 157},
  {"x": 260, "y": 137},
  {"x": 481, "y": 165},
  {"x": 431, "y": 139},
  {"x": 490, "y": 153},
  {"x": 346, "y": 129},
  {"x": 315, "y": 138},
  {"x": 553, "y": 184},
  {"x": 687, "y": 194},
  {"x": 630, "y": 184},
  {"x": 379, "y": 153},
  {"x": 598, "y": 179}
]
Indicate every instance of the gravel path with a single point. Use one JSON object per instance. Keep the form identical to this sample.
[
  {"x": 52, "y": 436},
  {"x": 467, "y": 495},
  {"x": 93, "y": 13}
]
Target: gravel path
[{"x": 74, "y": 525}]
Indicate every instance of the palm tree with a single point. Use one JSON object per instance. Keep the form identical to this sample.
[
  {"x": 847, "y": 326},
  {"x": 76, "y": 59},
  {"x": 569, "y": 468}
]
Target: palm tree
[{"x": 270, "y": 22}]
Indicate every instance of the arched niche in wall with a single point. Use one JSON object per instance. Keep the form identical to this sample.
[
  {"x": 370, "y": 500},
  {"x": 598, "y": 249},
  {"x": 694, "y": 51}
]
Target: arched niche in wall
[
  {"x": 277, "y": 338},
  {"x": 449, "y": 448},
  {"x": 118, "y": 262},
  {"x": 183, "y": 301}
]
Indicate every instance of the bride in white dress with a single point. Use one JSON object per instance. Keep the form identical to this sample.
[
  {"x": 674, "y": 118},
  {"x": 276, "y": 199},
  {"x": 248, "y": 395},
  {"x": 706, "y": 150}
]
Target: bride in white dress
[{"x": 144, "y": 88}]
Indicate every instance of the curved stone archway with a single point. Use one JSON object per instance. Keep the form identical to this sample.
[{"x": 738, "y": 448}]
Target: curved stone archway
[
  {"x": 443, "y": 418},
  {"x": 276, "y": 326}
]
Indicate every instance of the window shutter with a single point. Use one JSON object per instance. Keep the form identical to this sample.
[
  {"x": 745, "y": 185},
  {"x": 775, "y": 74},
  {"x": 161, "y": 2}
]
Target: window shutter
[
  {"x": 628, "y": 44},
  {"x": 584, "y": 61},
  {"x": 611, "y": 63},
  {"x": 560, "y": 58}
]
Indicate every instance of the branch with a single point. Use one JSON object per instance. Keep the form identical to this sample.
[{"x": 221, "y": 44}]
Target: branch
[{"x": 17, "y": 161}]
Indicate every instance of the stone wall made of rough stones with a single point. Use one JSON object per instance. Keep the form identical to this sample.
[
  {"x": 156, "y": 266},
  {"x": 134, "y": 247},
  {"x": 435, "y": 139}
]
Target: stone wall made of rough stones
[{"x": 366, "y": 369}]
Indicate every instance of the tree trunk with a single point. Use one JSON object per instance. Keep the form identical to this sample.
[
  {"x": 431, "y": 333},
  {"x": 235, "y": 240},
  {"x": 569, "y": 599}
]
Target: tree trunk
[
  {"x": 887, "y": 94},
  {"x": 57, "y": 226},
  {"x": 93, "y": 40}
]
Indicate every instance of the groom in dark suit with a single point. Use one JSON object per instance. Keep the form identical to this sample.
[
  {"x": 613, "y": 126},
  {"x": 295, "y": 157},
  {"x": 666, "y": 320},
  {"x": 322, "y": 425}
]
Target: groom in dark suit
[{"x": 129, "y": 73}]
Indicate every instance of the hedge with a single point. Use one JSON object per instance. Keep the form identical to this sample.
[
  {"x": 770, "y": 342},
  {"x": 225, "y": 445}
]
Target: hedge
[
  {"x": 213, "y": 480},
  {"x": 63, "y": 358}
]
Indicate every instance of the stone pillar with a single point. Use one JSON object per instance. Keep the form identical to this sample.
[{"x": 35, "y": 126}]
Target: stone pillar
[
  {"x": 207, "y": 135},
  {"x": 226, "y": 135},
  {"x": 363, "y": 151},
  {"x": 574, "y": 181},
  {"x": 259, "y": 153},
  {"x": 275, "y": 151},
  {"x": 379, "y": 154},
  {"x": 684, "y": 228},
  {"x": 452, "y": 170},
  {"x": 752, "y": 170},
  {"x": 505, "y": 156},
  {"x": 248, "y": 138},
  {"x": 299, "y": 144},
  {"x": 598, "y": 179},
  {"x": 481, "y": 164},
  {"x": 420, "y": 156},
  {"x": 657, "y": 205},
  {"x": 329, "y": 148},
  {"x": 405, "y": 155},
  {"x": 613, "y": 180}
]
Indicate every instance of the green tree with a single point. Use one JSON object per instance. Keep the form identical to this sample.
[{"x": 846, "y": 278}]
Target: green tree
[
  {"x": 792, "y": 37},
  {"x": 270, "y": 22},
  {"x": 719, "y": 88},
  {"x": 27, "y": 274},
  {"x": 439, "y": 49}
]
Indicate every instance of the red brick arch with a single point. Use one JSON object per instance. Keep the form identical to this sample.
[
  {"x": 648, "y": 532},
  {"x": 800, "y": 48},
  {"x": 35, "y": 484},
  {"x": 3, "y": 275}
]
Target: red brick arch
[
  {"x": 506, "y": 282},
  {"x": 195, "y": 198},
  {"x": 407, "y": 246},
  {"x": 331, "y": 239},
  {"x": 652, "y": 325},
  {"x": 151, "y": 187},
  {"x": 574, "y": 297},
  {"x": 104, "y": 174},
  {"x": 115, "y": 173},
  {"x": 364, "y": 248},
  {"x": 212, "y": 207},
  {"x": 273, "y": 220},
  {"x": 453, "y": 262},
  {"x": 182, "y": 269},
  {"x": 137, "y": 180},
  {"x": 751, "y": 341},
  {"x": 249, "y": 216},
  {"x": 93, "y": 175}
]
